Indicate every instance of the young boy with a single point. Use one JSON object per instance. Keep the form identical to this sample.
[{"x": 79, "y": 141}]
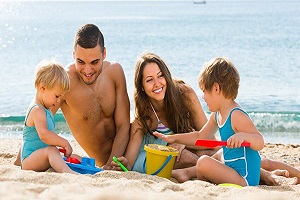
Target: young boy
[
  {"x": 39, "y": 151},
  {"x": 219, "y": 81}
]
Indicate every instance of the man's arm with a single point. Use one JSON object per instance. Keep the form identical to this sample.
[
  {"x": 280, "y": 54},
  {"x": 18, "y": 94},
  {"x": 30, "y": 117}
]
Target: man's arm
[{"x": 121, "y": 114}]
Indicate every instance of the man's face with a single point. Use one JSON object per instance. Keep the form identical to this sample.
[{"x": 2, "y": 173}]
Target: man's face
[{"x": 88, "y": 63}]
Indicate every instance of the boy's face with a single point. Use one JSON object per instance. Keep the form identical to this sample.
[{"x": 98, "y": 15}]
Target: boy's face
[{"x": 211, "y": 97}]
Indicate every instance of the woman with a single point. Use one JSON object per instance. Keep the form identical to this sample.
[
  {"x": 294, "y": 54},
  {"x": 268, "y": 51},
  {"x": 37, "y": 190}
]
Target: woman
[{"x": 163, "y": 104}]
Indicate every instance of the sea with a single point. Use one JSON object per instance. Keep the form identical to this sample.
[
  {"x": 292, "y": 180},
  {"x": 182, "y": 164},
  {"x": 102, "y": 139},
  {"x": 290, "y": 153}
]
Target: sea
[{"x": 262, "y": 38}]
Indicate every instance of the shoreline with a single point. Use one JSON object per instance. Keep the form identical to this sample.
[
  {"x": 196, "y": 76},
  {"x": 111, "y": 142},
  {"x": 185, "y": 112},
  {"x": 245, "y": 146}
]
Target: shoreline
[
  {"x": 285, "y": 138},
  {"x": 20, "y": 184}
]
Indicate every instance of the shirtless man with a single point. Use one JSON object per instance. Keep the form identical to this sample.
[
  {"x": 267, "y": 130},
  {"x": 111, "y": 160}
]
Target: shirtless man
[{"x": 96, "y": 108}]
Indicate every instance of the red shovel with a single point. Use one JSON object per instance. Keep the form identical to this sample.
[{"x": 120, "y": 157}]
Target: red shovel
[{"x": 214, "y": 143}]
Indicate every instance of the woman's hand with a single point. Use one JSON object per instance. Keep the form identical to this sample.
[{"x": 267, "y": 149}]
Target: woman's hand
[
  {"x": 167, "y": 138},
  {"x": 116, "y": 166},
  {"x": 179, "y": 147}
]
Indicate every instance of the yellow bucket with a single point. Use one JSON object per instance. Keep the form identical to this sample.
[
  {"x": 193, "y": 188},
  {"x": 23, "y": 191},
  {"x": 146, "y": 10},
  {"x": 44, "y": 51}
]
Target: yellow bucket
[{"x": 159, "y": 160}]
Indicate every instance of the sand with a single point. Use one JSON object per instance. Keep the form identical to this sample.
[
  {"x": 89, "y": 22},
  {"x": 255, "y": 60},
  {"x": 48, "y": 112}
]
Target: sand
[{"x": 19, "y": 184}]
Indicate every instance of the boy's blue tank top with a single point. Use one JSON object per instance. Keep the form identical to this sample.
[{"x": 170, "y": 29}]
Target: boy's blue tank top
[
  {"x": 244, "y": 160},
  {"x": 31, "y": 139}
]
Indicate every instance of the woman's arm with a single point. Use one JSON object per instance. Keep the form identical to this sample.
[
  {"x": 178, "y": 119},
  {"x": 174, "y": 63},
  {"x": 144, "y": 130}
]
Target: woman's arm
[
  {"x": 135, "y": 142},
  {"x": 207, "y": 132}
]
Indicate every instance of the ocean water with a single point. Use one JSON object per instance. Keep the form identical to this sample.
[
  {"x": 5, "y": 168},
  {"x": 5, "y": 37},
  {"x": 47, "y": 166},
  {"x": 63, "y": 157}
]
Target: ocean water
[{"x": 262, "y": 38}]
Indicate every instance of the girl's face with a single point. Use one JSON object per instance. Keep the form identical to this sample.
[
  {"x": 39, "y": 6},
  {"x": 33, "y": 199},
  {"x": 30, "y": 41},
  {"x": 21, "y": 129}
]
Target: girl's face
[
  {"x": 51, "y": 97},
  {"x": 154, "y": 82}
]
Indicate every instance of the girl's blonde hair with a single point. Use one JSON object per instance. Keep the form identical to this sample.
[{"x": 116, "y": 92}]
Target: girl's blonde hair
[{"x": 51, "y": 73}]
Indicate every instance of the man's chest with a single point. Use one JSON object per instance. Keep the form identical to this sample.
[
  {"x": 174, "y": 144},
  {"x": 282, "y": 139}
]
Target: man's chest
[{"x": 91, "y": 104}]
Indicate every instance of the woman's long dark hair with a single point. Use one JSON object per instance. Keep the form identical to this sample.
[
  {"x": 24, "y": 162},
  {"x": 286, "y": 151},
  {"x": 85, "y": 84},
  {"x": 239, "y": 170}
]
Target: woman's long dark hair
[{"x": 178, "y": 116}]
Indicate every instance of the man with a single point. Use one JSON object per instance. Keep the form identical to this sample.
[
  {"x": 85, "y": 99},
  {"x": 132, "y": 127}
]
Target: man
[{"x": 97, "y": 106}]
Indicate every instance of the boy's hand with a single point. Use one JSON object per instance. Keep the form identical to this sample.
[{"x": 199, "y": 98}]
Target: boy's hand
[
  {"x": 167, "y": 138},
  {"x": 235, "y": 141}
]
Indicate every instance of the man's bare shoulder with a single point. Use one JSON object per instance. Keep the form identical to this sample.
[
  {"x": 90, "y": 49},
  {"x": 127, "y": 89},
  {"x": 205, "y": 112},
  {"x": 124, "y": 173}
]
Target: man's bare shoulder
[
  {"x": 115, "y": 71},
  {"x": 113, "y": 66},
  {"x": 70, "y": 68}
]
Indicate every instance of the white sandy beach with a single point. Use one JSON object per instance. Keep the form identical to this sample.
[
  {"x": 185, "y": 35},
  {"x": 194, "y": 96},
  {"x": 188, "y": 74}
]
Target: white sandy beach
[{"x": 19, "y": 184}]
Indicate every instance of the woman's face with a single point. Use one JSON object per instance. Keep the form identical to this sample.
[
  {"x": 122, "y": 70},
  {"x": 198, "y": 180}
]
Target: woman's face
[{"x": 154, "y": 82}]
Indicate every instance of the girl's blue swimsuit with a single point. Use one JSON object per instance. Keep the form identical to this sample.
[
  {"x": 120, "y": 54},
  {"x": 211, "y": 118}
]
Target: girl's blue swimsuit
[{"x": 31, "y": 139}]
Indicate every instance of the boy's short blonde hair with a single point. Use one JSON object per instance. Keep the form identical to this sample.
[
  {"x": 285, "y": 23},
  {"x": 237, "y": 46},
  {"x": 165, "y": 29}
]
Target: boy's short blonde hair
[
  {"x": 51, "y": 73},
  {"x": 223, "y": 72}
]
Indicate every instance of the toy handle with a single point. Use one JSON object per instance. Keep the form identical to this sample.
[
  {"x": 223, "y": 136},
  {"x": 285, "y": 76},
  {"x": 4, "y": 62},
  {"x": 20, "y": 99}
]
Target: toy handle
[
  {"x": 62, "y": 150},
  {"x": 214, "y": 143},
  {"x": 120, "y": 164},
  {"x": 159, "y": 169},
  {"x": 69, "y": 159},
  {"x": 73, "y": 160}
]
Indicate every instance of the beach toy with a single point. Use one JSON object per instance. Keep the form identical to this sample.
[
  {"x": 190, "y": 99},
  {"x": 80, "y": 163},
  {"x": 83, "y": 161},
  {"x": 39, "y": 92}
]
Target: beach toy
[
  {"x": 86, "y": 166},
  {"x": 159, "y": 160},
  {"x": 120, "y": 164},
  {"x": 70, "y": 160},
  {"x": 62, "y": 150},
  {"x": 230, "y": 185},
  {"x": 73, "y": 160},
  {"x": 214, "y": 143}
]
